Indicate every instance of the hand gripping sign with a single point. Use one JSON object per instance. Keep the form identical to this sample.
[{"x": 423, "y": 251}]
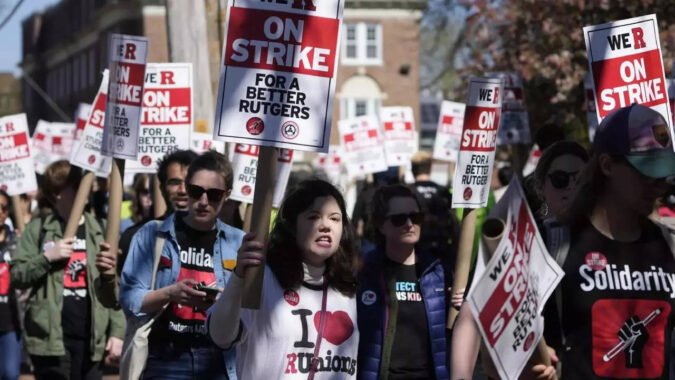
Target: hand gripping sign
[
  {"x": 88, "y": 150},
  {"x": 479, "y": 138},
  {"x": 362, "y": 146},
  {"x": 510, "y": 289},
  {"x": 127, "y": 55},
  {"x": 17, "y": 171},
  {"x": 449, "y": 131},
  {"x": 625, "y": 61},
  {"x": 278, "y": 73},
  {"x": 515, "y": 124},
  {"x": 400, "y": 137},
  {"x": 166, "y": 120},
  {"x": 244, "y": 167}
]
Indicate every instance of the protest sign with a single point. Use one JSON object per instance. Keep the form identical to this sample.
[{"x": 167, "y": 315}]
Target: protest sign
[
  {"x": 591, "y": 113},
  {"x": 532, "y": 160},
  {"x": 201, "y": 142},
  {"x": 515, "y": 124},
  {"x": 510, "y": 289},
  {"x": 127, "y": 56},
  {"x": 479, "y": 138},
  {"x": 166, "y": 120},
  {"x": 81, "y": 116},
  {"x": 361, "y": 144},
  {"x": 440, "y": 173},
  {"x": 400, "y": 137},
  {"x": 17, "y": 171},
  {"x": 244, "y": 167},
  {"x": 626, "y": 65},
  {"x": 331, "y": 164},
  {"x": 51, "y": 142},
  {"x": 449, "y": 132},
  {"x": 88, "y": 150},
  {"x": 278, "y": 73}
]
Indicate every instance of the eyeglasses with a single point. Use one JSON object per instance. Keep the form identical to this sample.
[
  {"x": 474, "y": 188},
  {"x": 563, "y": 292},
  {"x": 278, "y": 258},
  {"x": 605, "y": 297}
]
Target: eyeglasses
[
  {"x": 214, "y": 195},
  {"x": 399, "y": 219},
  {"x": 561, "y": 179}
]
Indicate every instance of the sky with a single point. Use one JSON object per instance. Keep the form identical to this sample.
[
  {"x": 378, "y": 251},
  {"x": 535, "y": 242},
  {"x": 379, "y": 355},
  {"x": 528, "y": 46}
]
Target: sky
[{"x": 10, "y": 34}]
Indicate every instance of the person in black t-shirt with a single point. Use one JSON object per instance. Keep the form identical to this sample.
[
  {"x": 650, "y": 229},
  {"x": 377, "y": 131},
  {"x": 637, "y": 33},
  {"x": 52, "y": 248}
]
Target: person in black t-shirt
[{"x": 618, "y": 293}]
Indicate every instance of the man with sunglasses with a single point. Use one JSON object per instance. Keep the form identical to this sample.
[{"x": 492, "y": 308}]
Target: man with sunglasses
[{"x": 199, "y": 252}]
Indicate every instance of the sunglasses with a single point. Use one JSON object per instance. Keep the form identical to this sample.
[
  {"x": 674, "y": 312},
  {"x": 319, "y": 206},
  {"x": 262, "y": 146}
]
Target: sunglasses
[
  {"x": 214, "y": 195},
  {"x": 399, "y": 219},
  {"x": 561, "y": 179}
]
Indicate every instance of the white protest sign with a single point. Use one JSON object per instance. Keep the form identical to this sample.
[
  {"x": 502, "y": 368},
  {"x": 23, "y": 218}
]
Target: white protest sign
[
  {"x": 166, "y": 120},
  {"x": 440, "y": 173},
  {"x": 532, "y": 160},
  {"x": 449, "y": 131},
  {"x": 515, "y": 124},
  {"x": 473, "y": 172},
  {"x": 591, "y": 113},
  {"x": 330, "y": 163},
  {"x": 400, "y": 137},
  {"x": 201, "y": 142},
  {"x": 278, "y": 73},
  {"x": 509, "y": 291},
  {"x": 81, "y": 116},
  {"x": 88, "y": 151},
  {"x": 362, "y": 146},
  {"x": 51, "y": 142},
  {"x": 17, "y": 171},
  {"x": 244, "y": 166},
  {"x": 626, "y": 64},
  {"x": 127, "y": 55}
]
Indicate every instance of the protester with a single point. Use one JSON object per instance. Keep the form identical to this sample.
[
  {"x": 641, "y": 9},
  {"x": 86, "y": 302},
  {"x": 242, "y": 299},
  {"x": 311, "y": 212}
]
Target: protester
[
  {"x": 196, "y": 250},
  {"x": 440, "y": 229},
  {"x": 141, "y": 202},
  {"x": 306, "y": 325},
  {"x": 10, "y": 327},
  {"x": 617, "y": 296},
  {"x": 402, "y": 297},
  {"x": 67, "y": 330}
]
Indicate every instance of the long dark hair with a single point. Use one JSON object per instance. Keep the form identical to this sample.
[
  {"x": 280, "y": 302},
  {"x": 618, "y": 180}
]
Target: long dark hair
[{"x": 283, "y": 255}]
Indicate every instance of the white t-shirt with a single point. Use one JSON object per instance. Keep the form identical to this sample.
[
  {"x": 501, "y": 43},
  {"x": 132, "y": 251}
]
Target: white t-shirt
[{"x": 278, "y": 339}]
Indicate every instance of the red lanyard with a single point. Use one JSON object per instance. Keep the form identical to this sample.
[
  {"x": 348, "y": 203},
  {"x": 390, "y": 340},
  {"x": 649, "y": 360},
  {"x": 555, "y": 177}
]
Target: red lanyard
[{"x": 319, "y": 336}]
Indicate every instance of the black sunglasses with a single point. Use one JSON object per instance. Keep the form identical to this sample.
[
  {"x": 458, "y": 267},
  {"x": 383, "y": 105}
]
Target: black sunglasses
[
  {"x": 214, "y": 195},
  {"x": 561, "y": 179},
  {"x": 399, "y": 219}
]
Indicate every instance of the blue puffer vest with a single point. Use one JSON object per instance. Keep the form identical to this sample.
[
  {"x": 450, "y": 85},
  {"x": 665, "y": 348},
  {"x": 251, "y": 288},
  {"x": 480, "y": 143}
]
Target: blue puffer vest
[{"x": 373, "y": 313}]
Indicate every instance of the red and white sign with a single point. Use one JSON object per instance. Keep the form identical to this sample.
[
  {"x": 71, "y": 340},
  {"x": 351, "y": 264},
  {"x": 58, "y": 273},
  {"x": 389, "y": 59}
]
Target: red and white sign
[
  {"x": 245, "y": 165},
  {"x": 81, "y": 116},
  {"x": 449, "y": 132},
  {"x": 331, "y": 163},
  {"x": 515, "y": 123},
  {"x": 166, "y": 120},
  {"x": 88, "y": 150},
  {"x": 532, "y": 160},
  {"x": 362, "y": 146},
  {"x": 51, "y": 142},
  {"x": 510, "y": 289},
  {"x": 201, "y": 142},
  {"x": 473, "y": 172},
  {"x": 591, "y": 113},
  {"x": 400, "y": 136},
  {"x": 17, "y": 171},
  {"x": 278, "y": 73},
  {"x": 127, "y": 56},
  {"x": 626, "y": 64}
]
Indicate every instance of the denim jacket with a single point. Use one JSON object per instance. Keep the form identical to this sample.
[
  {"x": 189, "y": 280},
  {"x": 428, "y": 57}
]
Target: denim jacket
[{"x": 137, "y": 271}]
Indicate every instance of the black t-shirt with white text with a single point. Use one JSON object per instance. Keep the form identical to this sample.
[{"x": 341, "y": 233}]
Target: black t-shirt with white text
[
  {"x": 75, "y": 315},
  {"x": 411, "y": 351},
  {"x": 181, "y": 324},
  {"x": 617, "y": 301}
]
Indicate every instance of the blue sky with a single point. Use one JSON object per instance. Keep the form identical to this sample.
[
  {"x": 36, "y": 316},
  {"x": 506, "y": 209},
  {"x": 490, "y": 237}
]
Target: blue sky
[{"x": 10, "y": 34}]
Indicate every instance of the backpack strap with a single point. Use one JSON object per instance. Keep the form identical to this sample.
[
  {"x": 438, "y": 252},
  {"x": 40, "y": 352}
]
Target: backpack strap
[{"x": 558, "y": 239}]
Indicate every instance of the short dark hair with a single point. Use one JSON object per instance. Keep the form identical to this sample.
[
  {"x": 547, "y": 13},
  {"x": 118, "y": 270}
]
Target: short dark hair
[
  {"x": 380, "y": 205},
  {"x": 283, "y": 255},
  {"x": 215, "y": 162},
  {"x": 182, "y": 157},
  {"x": 57, "y": 176}
]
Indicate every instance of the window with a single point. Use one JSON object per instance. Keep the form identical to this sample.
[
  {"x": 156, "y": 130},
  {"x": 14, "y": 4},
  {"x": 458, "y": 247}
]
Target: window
[
  {"x": 360, "y": 95},
  {"x": 362, "y": 44}
]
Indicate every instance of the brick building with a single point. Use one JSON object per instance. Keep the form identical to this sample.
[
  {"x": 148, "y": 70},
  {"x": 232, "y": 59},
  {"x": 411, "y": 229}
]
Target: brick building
[
  {"x": 65, "y": 49},
  {"x": 10, "y": 94}
]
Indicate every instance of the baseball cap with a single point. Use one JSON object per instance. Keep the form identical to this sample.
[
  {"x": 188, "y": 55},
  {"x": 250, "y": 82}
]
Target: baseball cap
[{"x": 641, "y": 135}]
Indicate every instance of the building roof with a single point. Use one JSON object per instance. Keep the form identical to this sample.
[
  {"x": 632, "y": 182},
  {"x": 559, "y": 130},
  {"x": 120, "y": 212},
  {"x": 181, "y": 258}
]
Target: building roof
[{"x": 390, "y": 4}]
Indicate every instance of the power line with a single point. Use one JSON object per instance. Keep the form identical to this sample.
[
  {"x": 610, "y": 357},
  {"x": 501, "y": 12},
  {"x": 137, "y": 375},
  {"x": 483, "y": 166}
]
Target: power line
[{"x": 11, "y": 13}]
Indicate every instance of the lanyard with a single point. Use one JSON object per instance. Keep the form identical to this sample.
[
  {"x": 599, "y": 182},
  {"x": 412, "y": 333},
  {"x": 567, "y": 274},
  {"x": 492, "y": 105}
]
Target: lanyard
[{"x": 319, "y": 335}]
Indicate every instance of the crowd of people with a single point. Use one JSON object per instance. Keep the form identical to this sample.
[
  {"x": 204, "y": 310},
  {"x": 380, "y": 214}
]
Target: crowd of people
[{"x": 365, "y": 297}]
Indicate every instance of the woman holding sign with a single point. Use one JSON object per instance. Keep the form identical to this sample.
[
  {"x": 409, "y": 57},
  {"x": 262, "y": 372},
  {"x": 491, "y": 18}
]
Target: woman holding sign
[
  {"x": 616, "y": 299},
  {"x": 306, "y": 325}
]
